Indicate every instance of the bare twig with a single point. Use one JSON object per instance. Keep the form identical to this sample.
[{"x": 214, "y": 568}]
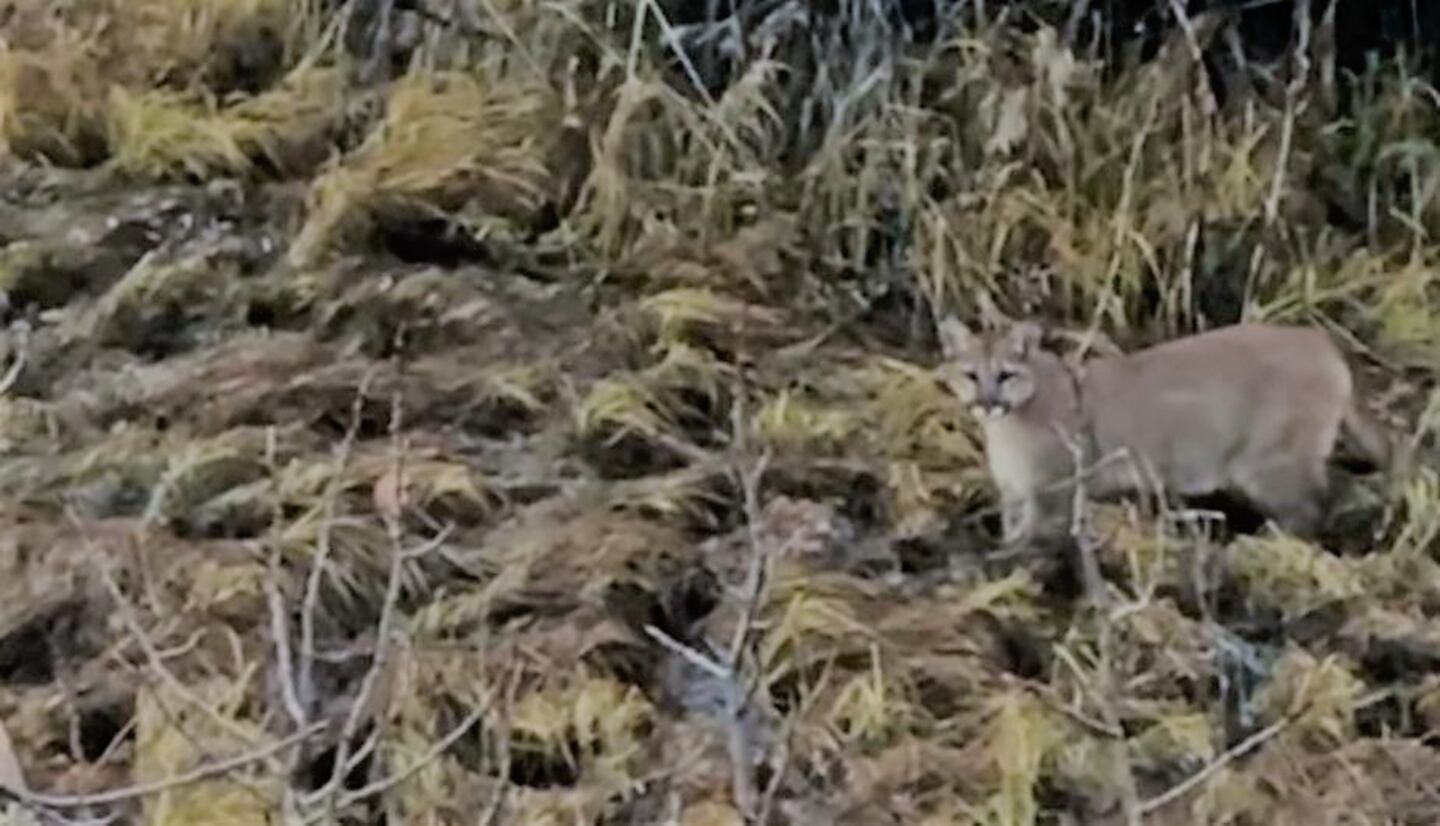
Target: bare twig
[
  {"x": 1123, "y": 222},
  {"x": 1240, "y": 749},
  {"x": 147, "y": 645},
  {"x": 1098, "y": 597},
  {"x": 385, "y": 784},
  {"x": 1201, "y": 555},
  {"x": 758, "y": 570},
  {"x": 345, "y": 761},
  {"x": 380, "y": 659},
  {"x": 780, "y": 765},
  {"x": 1197, "y": 54},
  {"x": 747, "y": 797},
  {"x": 280, "y": 633},
  {"x": 22, "y": 355},
  {"x": 305, "y": 687},
  {"x": 715, "y": 669},
  {"x": 672, "y": 40},
  {"x": 195, "y": 775},
  {"x": 736, "y": 700},
  {"x": 731, "y": 673},
  {"x": 279, "y": 621},
  {"x": 1079, "y": 508},
  {"x": 502, "y": 732},
  {"x": 1301, "y": 72},
  {"x": 1047, "y": 695}
]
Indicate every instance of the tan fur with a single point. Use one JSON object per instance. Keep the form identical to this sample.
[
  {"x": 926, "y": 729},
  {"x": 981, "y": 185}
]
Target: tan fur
[{"x": 1251, "y": 409}]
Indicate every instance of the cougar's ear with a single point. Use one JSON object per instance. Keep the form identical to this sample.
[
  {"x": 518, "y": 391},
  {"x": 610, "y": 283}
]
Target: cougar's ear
[
  {"x": 1024, "y": 337},
  {"x": 955, "y": 337}
]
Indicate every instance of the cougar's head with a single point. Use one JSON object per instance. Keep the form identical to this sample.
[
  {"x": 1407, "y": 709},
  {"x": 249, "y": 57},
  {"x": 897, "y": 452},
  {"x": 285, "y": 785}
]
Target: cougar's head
[{"x": 991, "y": 372}]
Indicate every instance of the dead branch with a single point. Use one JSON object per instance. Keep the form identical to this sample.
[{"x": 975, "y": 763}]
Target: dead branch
[
  {"x": 345, "y": 761},
  {"x": 757, "y": 572},
  {"x": 195, "y": 775},
  {"x": 147, "y": 646},
  {"x": 280, "y": 632},
  {"x": 385, "y": 784},
  {"x": 718, "y": 670},
  {"x": 305, "y": 688},
  {"x": 1099, "y": 598},
  {"x": 1293, "y": 104},
  {"x": 22, "y": 356},
  {"x": 1240, "y": 749},
  {"x": 1079, "y": 508}
]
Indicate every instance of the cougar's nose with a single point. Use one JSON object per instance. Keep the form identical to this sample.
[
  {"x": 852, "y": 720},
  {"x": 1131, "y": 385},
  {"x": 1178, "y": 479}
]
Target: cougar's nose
[{"x": 990, "y": 406}]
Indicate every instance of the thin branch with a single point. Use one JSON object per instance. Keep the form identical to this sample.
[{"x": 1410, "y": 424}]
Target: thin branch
[
  {"x": 502, "y": 740},
  {"x": 280, "y": 633},
  {"x": 739, "y": 697},
  {"x": 1047, "y": 695},
  {"x": 12, "y": 375},
  {"x": 1197, "y": 54},
  {"x": 1099, "y": 597},
  {"x": 204, "y": 772},
  {"x": 715, "y": 669},
  {"x": 344, "y": 761},
  {"x": 385, "y": 784},
  {"x": 147, "y": 645},
  {"x": 306, "y": 677},
  {"x": 279, "y": 621},
  {"x": 1240, "y": 749},
  {"x": 378, "y": 662},
  {"x": 779, "y": 766},
  {"x": 1301, "y": 53},
  {"x": 1079, "y": 507},
  {"x": 672, "y": 39},
  {"x": 757, "y": 573}
]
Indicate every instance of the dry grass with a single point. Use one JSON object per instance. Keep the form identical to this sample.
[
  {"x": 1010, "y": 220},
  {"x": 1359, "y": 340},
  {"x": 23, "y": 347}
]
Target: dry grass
[
  {"x": 537, "y": 417},
  {"x": 446, "y": 139},
  {"x": 132, "y": 77}
]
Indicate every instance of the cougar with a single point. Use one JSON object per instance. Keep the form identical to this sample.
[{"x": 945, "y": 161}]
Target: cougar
[{"x": 1250, "y": 409}]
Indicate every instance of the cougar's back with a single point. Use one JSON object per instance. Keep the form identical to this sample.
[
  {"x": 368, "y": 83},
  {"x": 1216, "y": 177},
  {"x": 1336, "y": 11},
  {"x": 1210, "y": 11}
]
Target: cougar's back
[{"x": 1201, "y": 410}]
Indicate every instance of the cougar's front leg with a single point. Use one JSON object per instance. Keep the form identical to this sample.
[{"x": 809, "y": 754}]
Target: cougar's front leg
[{"x": 1017, "y": 518}]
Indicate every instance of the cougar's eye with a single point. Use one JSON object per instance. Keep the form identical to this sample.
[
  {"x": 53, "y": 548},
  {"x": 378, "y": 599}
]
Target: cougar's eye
[
  {"x": 971, "y": 375},
  {"x": 1005, "y": 375}
]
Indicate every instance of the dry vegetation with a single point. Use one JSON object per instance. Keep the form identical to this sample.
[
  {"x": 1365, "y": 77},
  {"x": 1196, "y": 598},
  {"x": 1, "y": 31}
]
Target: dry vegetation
[{"x": 521, "y": 413}]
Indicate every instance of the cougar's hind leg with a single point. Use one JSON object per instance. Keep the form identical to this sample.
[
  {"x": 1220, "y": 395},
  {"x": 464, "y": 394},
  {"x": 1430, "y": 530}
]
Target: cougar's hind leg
[{"x": 1291, "y": 493}]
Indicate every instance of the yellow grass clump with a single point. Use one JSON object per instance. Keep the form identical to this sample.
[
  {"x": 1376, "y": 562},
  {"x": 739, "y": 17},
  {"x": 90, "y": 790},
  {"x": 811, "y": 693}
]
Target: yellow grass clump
[
  {"x": 75, "y": 82},
  {"x": 447, "y": 138}
]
